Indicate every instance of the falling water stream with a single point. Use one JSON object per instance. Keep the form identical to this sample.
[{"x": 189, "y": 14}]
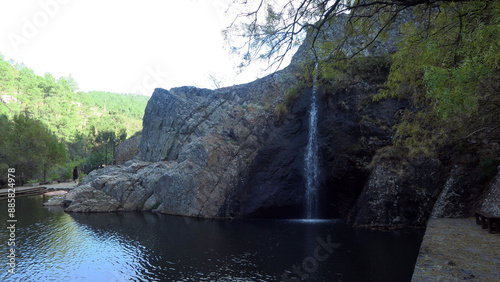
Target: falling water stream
[{"x": 311, "y": 158}]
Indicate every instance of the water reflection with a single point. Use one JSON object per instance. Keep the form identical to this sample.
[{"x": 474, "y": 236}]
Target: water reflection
[{"x": 53, "y": 245}]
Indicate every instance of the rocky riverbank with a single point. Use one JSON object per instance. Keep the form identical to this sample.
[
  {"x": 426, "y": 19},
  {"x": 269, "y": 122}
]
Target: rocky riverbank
[{"x": 455, "y": 249}]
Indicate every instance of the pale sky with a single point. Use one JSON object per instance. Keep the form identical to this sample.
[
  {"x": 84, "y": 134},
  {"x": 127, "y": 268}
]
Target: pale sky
[{"x": 124, "y": 46}]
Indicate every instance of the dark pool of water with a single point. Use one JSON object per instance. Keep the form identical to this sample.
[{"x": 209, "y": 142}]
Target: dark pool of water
[{"x": 55, "y": 246}]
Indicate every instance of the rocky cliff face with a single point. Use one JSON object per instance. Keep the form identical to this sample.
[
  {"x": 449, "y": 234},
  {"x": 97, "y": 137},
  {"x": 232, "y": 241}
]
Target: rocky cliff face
[
  {"x": 224, "y": 153},
  {"x": 127, "y": 150},
  {"x": 196, "y": 148},
  {"x": 399, "y": 194}
]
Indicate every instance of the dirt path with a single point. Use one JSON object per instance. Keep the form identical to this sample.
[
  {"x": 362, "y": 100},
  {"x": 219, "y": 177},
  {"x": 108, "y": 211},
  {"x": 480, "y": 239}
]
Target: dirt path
[{"x": 457, "y": 249}]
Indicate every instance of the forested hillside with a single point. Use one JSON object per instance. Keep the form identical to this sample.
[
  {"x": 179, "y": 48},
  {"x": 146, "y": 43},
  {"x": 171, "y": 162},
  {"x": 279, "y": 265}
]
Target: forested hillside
[
  {"x": 446, "y": 64},
  {"x": 89, "y": 125}
]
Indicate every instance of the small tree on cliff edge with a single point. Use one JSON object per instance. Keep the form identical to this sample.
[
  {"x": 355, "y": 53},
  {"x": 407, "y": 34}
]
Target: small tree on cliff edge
[
  {"x": 447, "y": 63},
  {"x": 271, "y": 31}
]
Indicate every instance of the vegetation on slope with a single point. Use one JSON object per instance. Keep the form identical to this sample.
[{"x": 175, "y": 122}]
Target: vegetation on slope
[
  {"x": 447, "y": 64},
  {"x": 86, "y": 125}
]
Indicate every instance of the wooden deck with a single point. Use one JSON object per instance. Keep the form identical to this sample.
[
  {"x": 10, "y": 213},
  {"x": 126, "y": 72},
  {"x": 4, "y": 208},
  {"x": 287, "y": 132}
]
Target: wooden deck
[
  {"x": 24, "y": 191},
  {"x": 37, "y": 190},
  {"x": 488, "y": 221}
]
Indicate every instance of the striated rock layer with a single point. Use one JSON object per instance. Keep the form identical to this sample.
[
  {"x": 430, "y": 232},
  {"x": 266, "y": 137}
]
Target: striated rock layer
[
  {"x": 197, "y": 145},
  {"x": 224, "y": 153}
]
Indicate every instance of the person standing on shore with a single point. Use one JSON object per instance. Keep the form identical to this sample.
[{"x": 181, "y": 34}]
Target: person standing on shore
[{"x": 75, "y": 174}]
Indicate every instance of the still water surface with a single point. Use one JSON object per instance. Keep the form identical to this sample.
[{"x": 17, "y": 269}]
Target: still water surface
[{"x": 55, "y": 246}]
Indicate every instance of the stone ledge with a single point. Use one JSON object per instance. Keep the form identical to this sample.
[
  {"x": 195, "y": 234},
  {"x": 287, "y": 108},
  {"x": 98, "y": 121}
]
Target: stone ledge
[{"x": 457, "y": 249}]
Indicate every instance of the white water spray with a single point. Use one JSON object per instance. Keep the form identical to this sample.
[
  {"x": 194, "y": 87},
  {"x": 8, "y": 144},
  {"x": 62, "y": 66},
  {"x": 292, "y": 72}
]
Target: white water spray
[{"x": 311, "y": 157}]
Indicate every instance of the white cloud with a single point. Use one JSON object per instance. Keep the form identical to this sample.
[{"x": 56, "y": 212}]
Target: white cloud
[{"x": 110, "y": 45}]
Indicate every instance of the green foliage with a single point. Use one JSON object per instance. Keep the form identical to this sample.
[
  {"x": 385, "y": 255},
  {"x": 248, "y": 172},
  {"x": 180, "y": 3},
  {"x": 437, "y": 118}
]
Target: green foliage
[
  {"x": 291, "y": 95},
  {"x": 71, "y": 83},
  {"x": 122, "y": 135},
  {"x": 446, "y": 88},
  {"x": 335, "y": 74},
  {"x": 96, "y": 159},
  {"x": 75, "y": 112},
  {"x": 449, "y": 71},
  {"x": 394, "y": 153},
  {"x": 447, "y": 64},
  {"x": 29, "y": 146},
  {"x": 127, "y": 105},
  {"x": 8, "y": 75},
  {"x": 101, "y": 150},
  {"x": 281, "y": 110},
  {"x": 489, "y": 167},
  {"x": 76, "y": 119}
]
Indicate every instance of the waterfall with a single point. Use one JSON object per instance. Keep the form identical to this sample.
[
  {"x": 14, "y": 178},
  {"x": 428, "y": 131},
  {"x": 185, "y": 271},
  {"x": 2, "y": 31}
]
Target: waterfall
[{"x": 311, "y": 157}]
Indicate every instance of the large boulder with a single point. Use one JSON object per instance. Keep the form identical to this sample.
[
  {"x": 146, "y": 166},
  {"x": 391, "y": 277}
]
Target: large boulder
[
  {"x": 460, "y": 194},
  {"x": 399, "y": 194},
  {"x": 491, "y": 203},
  {"x": 86, "y": 199},
  {"x": 127, "y": 150}
]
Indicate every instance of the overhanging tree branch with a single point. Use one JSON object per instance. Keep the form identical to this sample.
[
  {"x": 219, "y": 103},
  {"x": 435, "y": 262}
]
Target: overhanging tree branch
[{"x": 272, "y": 38}]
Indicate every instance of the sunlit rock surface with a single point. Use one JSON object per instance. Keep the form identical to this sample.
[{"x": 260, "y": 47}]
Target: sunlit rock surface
[{"x": 196, "y": 146}]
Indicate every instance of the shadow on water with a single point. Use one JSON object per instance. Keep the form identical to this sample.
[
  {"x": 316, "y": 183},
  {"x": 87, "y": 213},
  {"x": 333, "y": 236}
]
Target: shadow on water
[{"x": 147, "y": 246}]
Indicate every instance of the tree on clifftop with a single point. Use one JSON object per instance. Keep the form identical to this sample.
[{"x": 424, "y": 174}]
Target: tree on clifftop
[
  {"x": 447, "y": 63},
  {"x": 271, "y": 31}
]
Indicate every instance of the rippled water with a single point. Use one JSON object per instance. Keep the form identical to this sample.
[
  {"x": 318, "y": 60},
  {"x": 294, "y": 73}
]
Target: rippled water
[{"x": 55, "y": 246}]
